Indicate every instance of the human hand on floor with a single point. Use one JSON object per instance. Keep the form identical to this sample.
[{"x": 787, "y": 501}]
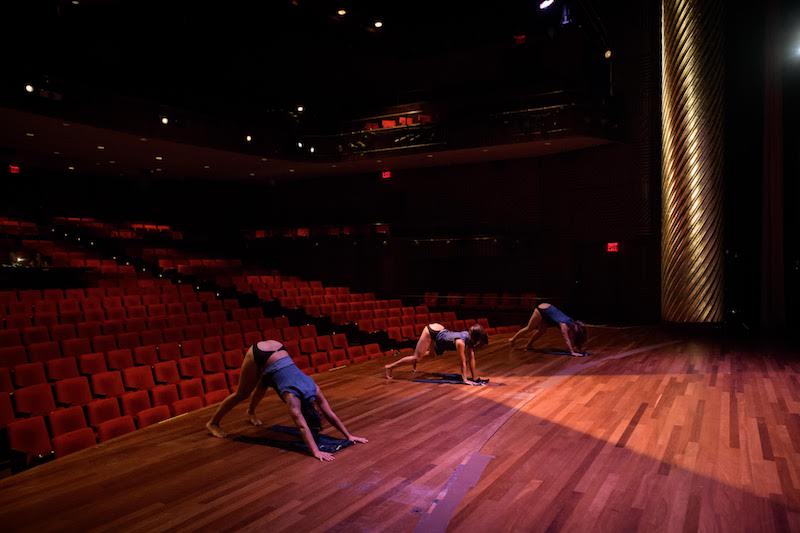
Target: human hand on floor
[
  {"x": 360, "y": 440},
  {"x": 324, "y": 456}
]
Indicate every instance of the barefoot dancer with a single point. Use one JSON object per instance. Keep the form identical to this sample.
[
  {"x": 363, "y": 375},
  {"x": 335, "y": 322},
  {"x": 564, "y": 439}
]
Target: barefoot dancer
[
  {"x": 268, "y": 364},
  {"x": 546, "y": 315},
  {"x": 436, "y": 337}
]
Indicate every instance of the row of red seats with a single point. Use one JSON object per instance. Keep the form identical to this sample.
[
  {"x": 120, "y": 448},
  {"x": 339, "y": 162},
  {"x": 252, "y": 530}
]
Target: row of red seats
[
  {"x": 193, "y": 312},
  {"x": 130, "y": 333},
  {"x": 165, "y": 360},
  {"x": 45, "y": 351},
  {"x": 154, "y": 305},
  {"x": 194, "y": 358},
  {"x": 185, "y": 293},
  {"x": 69, "y": 431}
]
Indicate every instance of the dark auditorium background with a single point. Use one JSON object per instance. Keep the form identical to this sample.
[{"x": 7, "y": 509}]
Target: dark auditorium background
[{"x": 494, "y": 220}]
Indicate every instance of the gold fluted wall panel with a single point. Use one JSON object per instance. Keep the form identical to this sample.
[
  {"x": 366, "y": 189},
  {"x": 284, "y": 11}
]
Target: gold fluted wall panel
[{"x": 692, "y": 159}]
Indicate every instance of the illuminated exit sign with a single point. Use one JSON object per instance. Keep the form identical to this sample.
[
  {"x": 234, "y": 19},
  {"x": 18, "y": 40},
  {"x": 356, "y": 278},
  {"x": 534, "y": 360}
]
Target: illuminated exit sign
[
  {"x": 386, "y": 174},
  {"x": 612, "y": 247}
]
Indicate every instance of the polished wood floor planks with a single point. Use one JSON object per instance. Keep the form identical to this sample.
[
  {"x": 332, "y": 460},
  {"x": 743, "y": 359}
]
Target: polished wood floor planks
[{"x": 654, "y": 431}]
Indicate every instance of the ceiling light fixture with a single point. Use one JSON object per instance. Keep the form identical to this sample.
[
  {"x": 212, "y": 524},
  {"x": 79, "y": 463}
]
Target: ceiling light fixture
[
  {"x": 165, "y": 120},
  {"x": 546, "y": 3},
  {"x": 341, "y": 12},
  {"x": 29, "y": 88},
  {"x": 159, "y": 158},
  {"x": 300, "y": 109},
  {"x": 101, "y": 147},
  {"x": 248, "y": 138},
  {"x": 378, "y": 24}
]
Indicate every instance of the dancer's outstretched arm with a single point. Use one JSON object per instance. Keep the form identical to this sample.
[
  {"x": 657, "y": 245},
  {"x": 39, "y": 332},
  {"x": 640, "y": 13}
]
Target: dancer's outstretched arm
[
  {"x": 326, "y": 409},
  {"x": 295, "y": 409}
]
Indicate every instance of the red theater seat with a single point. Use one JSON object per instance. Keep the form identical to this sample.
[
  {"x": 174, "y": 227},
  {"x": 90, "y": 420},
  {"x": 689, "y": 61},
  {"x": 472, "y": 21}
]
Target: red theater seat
[
  {"x": 103, "y": 410},
  {"x": 190, "y": 388},
  {"x": 73, "y": 391},
  {"x": 74, "y": 441},
  {"x": 169, "y": 351},
  {"x": 233, "y": 358},
  {"x": 35, "y": 400},
  {"x": 89, "y": 329},
  {"x": 373, "y": 351},
  {"x": 340, "y": 341},
  {"x": 29, "y": 374},
  {"x": 10, "y": 338},
  {"x": 135, "y": 402},
  {"x": 115, "y": 428},
  {"x": 190, "y": 367},
  {"x": 63, "y": 332},
  {"x": 62, "y": 368},
  {"x": 153, "y": 415},
  {"x": 92, "y": 363},
  {"x": 213, "y": 363},
  {"x": 66, "y": 420},
  {"x": 75, "y": 347},
  {"x": 166, "y": 372},
  {"x": 192, "y": 348},
  {"x": 233, "y": 341},
  {"x": 320, "y": 361},
  {"x": 151, "y": 337},
  {"x": 164, "y": 395},
  {"x": 338, "y": 357},
  {"x": 108, "y": 384},
  {"x": 138, "y": 378},
  {"x": 212, "y": 344},
  {"x": 216, "y": 396},
  {"x": 6, "y": 385},
  {"x": 145, "y": 355},
  {"x": 30, "y": 437},
  {"x": 173, "y": 334},
  {"x": 128, "y": 340},
  {"x": 215, "y": 382},
  {"x": 187, "y": 405},
  {"x": 35, "y": 334}
]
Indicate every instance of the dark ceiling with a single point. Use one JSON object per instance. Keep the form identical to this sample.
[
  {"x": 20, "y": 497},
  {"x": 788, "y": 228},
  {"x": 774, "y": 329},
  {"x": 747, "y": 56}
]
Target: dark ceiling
[
  {"x": 244, "y": 57},
  {"x": 220, "y": 70}
]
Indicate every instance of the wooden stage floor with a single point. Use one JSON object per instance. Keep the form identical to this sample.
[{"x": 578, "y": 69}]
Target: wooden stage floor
[{"x": 653, "y": 432}]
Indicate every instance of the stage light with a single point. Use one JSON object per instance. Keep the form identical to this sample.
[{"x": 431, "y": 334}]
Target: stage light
[
  {"x": 165, "y": 120},
  {"x": 206, "y": 166},
  {"x": 56, "y": 153},
  {"x": 70, "y": 167},
  {"x": 546, "y": 3},
  {"x": 29, "y": 88},
  {"x": 101, "y": 147},
  {"x": 252, "y": 174},
  {"x": 299, "y": 144},
  {"x": 159, "y": 158},
  {"x": 378, "y": 24},
  {"x": 29, "y": 134},
  {"x": 291, "y": 170},
  {"x": 248, "y": 138},
  {"x": 112, "y": 162},
  {"x": 607, "y": 54},
  {"x": 300, "y": 109},
  {"x": 341, "y": 12},
  {"x": 311, "y": 149}
]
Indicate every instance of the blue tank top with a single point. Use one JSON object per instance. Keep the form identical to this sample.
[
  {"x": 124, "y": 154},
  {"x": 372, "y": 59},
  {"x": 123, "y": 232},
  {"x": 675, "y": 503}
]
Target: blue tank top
[
  {"x": 446, "y": 340},
  {"x": 554, "y": 316}
]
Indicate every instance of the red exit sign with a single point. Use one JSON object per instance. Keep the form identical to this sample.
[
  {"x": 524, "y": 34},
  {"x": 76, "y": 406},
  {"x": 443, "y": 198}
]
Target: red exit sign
[
  {"x": 13, "y": 169},
  {"x": 612, "y": 247},
  {"x": 386, "y": 175}
]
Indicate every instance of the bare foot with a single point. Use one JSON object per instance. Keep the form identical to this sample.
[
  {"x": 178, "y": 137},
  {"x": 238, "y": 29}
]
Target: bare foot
[
  {"x": 216, "y": 431},
  {"x": 388, "y": 372},
  {"x": 254, "y": 419}
]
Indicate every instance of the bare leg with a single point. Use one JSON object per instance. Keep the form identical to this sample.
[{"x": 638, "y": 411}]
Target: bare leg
[
  {"x": 247, "y": 382},
  {"x": 255, "y": 398},
  {"x": 422, "y": 349},
  {"x": 533, "y": 323},
  {"x": 535, "y": 336}
]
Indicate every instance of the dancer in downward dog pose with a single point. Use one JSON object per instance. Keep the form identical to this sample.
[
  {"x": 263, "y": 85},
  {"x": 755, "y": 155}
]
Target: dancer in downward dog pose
[
  {"x": 546, "y": 315},
  {"x": 268, "y": 364},
  {"x": 435, "y": 337}
]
